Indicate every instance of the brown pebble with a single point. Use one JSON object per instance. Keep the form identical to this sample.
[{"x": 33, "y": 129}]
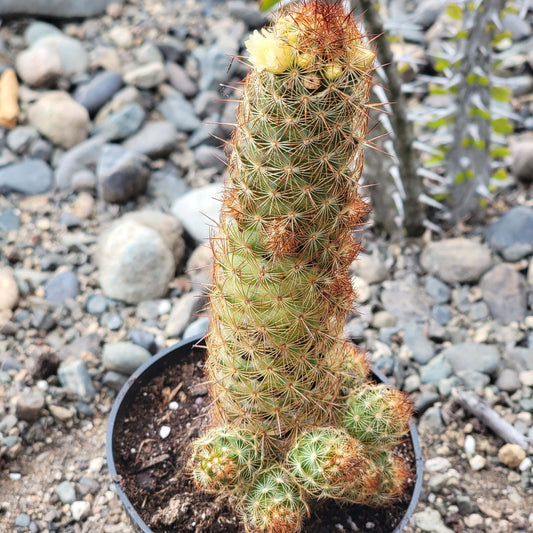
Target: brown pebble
[{"x": 511, "y": 455}]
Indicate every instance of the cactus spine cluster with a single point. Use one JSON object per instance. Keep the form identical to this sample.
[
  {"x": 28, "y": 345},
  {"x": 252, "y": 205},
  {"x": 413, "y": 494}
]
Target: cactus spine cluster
[{"x": 290, "y": 397}]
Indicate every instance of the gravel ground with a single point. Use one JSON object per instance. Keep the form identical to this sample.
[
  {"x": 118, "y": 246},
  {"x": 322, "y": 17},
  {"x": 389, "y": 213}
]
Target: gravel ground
[{"x": 129, "y": 167}]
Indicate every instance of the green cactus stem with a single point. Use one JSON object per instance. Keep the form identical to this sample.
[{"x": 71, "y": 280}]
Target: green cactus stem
[
  {"x": 377, "y": 416},
  {"x": 278, "y": 367}
]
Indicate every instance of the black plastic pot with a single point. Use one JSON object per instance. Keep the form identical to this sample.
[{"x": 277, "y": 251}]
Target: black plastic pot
[{"x": 168, "y": 358}]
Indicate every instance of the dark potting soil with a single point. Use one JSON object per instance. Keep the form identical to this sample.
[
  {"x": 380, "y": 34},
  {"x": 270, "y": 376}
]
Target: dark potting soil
[{"x": 153, "y": 470}]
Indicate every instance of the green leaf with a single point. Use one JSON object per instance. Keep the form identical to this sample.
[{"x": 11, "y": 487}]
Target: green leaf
[
  {"x": 462, "y": 34},
  {"x": 436, "y": 89},
  {"x": 502, "y": 94},
  {"x": 500, "y": 37},
  {"x": 441, "y": 196},
  {"x": 501, "y": 174},
  {"x": 265, "y": 5},
  {"x": 439, "y": 123},
  {"x": 502, "y": 126},
  {"x": 437, "y": 158},
  {"x": 481, "y": 113},
  {"x": 441, "y": 64},
  {"x": 454, "y": 11},
  {"x": 500, "y": 152},
  {"x": 467, "y": 174}
]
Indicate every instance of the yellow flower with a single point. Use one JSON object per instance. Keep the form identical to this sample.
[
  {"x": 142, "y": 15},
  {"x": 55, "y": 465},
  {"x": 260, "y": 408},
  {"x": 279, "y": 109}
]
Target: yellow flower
[{"x": 268, "y": 52}]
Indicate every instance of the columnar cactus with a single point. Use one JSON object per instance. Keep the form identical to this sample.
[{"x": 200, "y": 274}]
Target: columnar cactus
[{"x": 287, "y": 390}]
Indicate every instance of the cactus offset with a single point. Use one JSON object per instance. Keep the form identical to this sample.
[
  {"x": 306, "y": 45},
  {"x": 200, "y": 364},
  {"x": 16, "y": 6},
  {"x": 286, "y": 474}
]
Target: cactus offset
[{"x": 279, "y": 370}]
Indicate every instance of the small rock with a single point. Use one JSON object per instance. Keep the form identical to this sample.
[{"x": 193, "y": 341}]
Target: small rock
[
  {"x": 210, "y": 157},
  {"x": 29, "y": 405},
  {"x": 134, "y": 262},
  {"x": 74, "y": 376},
  {"x": 80, "y": 510},
  {"x": 511, "y": 455},
  {"x": 114, "y": 380},
  {"x": 432, "y": 420},
  {"x": 88, "y": 485},
  {"x": 23, "y": 520},
  {"x": 473, "y": 521},
  {"x": 470, "y": 445},
  {"x": 57, "y": 8},
  {"x": 72, "y": 54},
  {"x": 405, "y": 300},
  {"x": 144, "y": 338},
  {"x": 383, "y": 319},
  {"x": 66, "y": 492},
  {"x": 362, "y": 289},
  {"x": 441, "y": 314},
  {"x": 156, "y": 139},
  {"x": 146, "y": 76},
  {"x": 63, "y": 414},
  {"x": 124, "y": 357},
  {"x": 430, "y": 520},
  {"x": 437, "y": 464},
  {"x": 9, "y": 291},
  {"x": 437, "y": 290},
  {"x": 522, "y": 161},
  {"x": 164, "y": 432},
  {"x": 521, "y": 357},
  {"x": 504, "y": 292},
  {"x": 182, "y": 313},
  {"x": 514, "y": 228},
  {"x": 180, "y": 80},
  {"x": 179, "y": 112},
  {"x": 472, "y": 356},
  {"x": 122, "y": 123},
  {"x": 456, "y": 260},
  {"x": 425, "y": 401},
  {"x": 197, "y": 328},
  {"x": 435, "y": 370},
  {"x": 38, "y": 67},
  {"x": 94, "y": 94},
  {"x": 78, "y": 159},
  {"x": 148, "y": 52},
  {"x": 420, "y": 346},
  {"x": 121, "y": 36},
  {"x": 9, "y": 220},
  {"x": 477, "y": 463},
  {"x": 59, "y": 118},
  {"x": 31, "y": 177},
  {"x": 370, "y": 269},
  {"x": 167, "y": 227},
  {"x": 526, "y": 378},
  {"x": 62, "y": 286},
  {"x": 122, "y": 174},
  {"x": 38, "y": 29},
  {"x": 20, "y": 138},
  {"x": 508, "y": 380},
  {"x": 411, "y": 383},
  {"x": 196, "y": 208}
]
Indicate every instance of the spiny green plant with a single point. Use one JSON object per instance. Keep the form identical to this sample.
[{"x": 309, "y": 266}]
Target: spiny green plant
[
  {"x": 473, "y": 126},
  {"x": 282, "y": 380}
]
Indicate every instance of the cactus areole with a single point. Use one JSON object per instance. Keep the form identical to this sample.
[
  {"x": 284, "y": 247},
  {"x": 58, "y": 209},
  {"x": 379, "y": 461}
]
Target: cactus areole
[{"x": 294, "y": 416}]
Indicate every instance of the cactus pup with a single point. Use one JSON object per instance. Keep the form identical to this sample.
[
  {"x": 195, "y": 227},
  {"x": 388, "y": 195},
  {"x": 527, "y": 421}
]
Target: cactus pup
[{"x": 294, "y": 416}]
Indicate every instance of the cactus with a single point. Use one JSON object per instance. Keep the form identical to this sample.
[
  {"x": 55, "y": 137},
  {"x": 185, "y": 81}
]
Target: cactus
[{"x": 281, "y": 377}]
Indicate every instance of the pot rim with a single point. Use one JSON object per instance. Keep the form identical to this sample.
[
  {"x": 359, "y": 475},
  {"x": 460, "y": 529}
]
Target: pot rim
[{"x": 190, "y": 343}]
